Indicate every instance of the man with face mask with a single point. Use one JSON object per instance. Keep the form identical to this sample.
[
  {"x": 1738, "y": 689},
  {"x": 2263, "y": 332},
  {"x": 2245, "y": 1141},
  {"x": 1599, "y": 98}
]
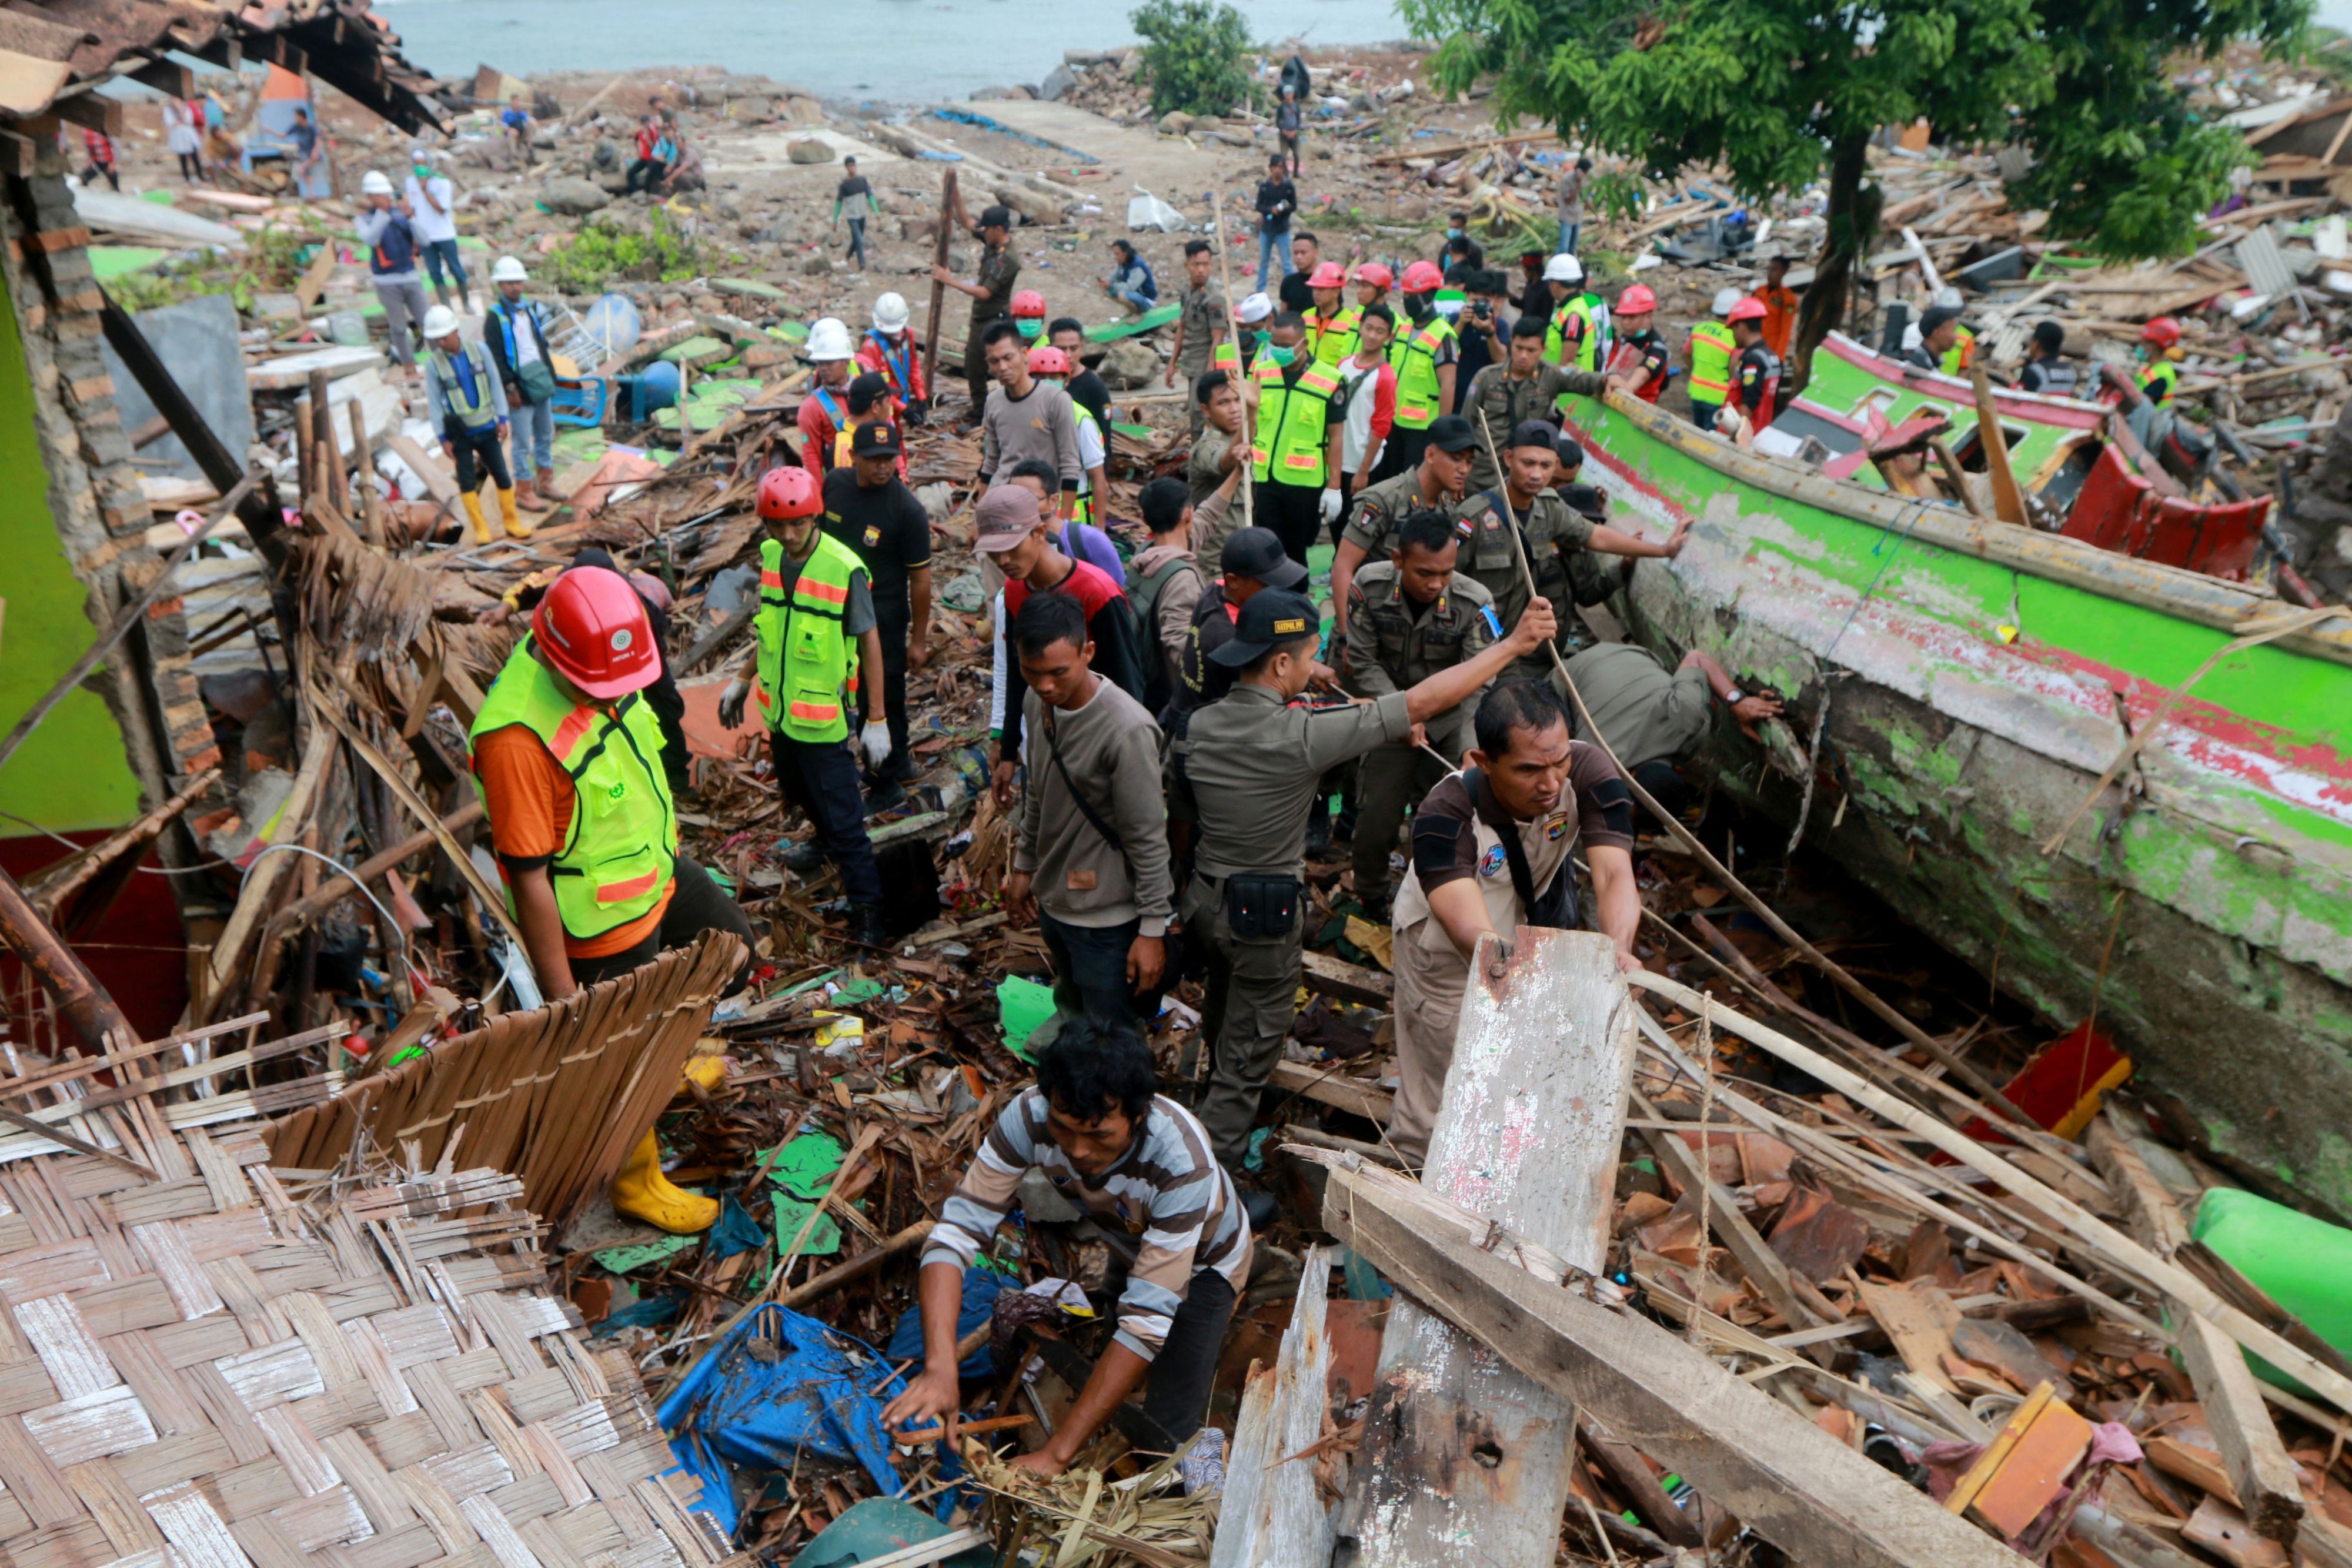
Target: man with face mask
[
  {"x": 1298, "y": 424},
  {"x": 1426, "y": 355}
]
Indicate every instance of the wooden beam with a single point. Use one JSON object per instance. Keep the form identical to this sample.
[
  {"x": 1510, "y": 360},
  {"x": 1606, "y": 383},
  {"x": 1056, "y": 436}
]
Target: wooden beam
[
  {"x": 1746, "y": 1453},
  {"x": 1271, "y": 1514},
  {"x": 1329, "y": 1086},
  {"x": 1465, "y": 1456},
  {"x": 2007, "y": 500},
  {"x": 92, "y": 112},
  {"x": 167, "y": 77},
  {"x": 1328, "y": 977}
]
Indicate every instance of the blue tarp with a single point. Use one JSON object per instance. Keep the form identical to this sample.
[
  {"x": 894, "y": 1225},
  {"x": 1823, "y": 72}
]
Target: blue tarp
[{"x": 980, "y": 1289}]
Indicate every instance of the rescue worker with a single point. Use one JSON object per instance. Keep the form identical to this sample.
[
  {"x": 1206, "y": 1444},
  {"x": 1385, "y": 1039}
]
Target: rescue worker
[
  {"x": 1029, "y": 314},
  {"x": 992, "y": 297},
  {"x": 1202, "y": 327},
  {"x": 1409, "y": 617},
  {"x": 1491, "y": 852},
  {"x": 515, "y": 331},
  {"x": 1051, "y": 367},
  {"x": 2048, "y": 371},
  {"x": 2159, "y": 349},
  {"x": 1373, "y": 282},
  {"x": 599, "y": 889},
  {"x": 469, "y": 407},
  {"x": 1425, "y": 354},
  {"x": 824, "y": 418},
  {"x": 1939, "y": 331},
  {"x": 1653, "y": 720},
  {"x": 384, "y": 226},
  {"x": 1523, "y": 386},
  {"x": 1561, "y": 543},
  {"x": 1960, "y": 352},
  {"x": 868, "y": 507},
  {"x": 1331, "y": 323},
  {"x": 1759, "y": 369},
  {"x": 1436, "y": 481},
  {"x": 1639, "y": 363},
  {"x": 889, "y": 348},
  {"x": 1709, "y": 356},
  {"x": 1578, "y": 337},
  {"x": 1781, "y": 304},
  {"x": 816, "y": 654},
  {"x": 1245, "y": 768},
  {"x": 1298, "y": 429}
]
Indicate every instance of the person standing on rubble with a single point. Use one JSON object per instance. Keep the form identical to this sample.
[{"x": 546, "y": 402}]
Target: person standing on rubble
[
  {"x": 1759, "y": 369},
  {"x": 384, "y": 227},
  {"x": 515, "y": 331},
  {"x": 1245, "y": 768},
  {"x": 1373, "y": 282},
  {"x": 1168, "y": 584},
  {"x": 2159, "y": 349},
  {"x": 1641, "y": 364},
  {"x": 1202, "y": 327},
  {"x": 1051, "y": 367},
  {"x": 868, "y": 507},
  {"x": 817, "y": 653},
  {"x": 992, "y": 297},
  {"x": 1331, "y": 321},
  {"x": 1780, "y": 303},
  {"x": 889, "y": 348},
  {"x": 469, "y": 408},
  {"x": 1251, "y": 561},
  {"x": 1090, "y": 859},
  {"x": 1568, "y": 206},
  {"x": 1295, "y": 462},
  {"x": 2047, "y": 370},
  {"x": 1217, "y": 453},
  {"x": 1277, "y": 199},
  {"x": 1427, "y": 355},
  {"x": 1524, "y": 386},
  {"x": 1287, "y": 123},
  {"x": 1305, "y": 255},
  {"x": 1437, "y": 481},
  {"x": 431, "y": 200},
  {"x": 597, "y": 889},
  {"x": 1027, "y": 418},
  {"x": 823, "y": 417},
  {"x": 1367, "y": 399},
  {"x": 1708, "y": 356},
  {"x": 1096, "y": 1128},
  {"x": 856, "y": 193},
  {"x": 1578, "y": 337},
  {"x": 1088, "y": 389},
  {"x": 1491, "y": 849}
]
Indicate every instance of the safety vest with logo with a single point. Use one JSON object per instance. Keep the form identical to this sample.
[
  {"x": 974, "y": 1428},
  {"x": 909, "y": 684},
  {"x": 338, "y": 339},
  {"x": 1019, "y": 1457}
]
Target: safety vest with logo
[
  {"x": 1414, "y": 359},
  {"x": 1581, "y": 308},
  {"x": 467, "y": 384},
  {"x": 1293, "y": 422},
  {"x": 805, "y": 656},
  {"x": 620, "y": 853},
  {"x": 1084, "y": 512},
  {"x": 1711, "y": 347},
  {"x": 2158, "y": 382},
  {"x": 1962, "y": 353},
  {"x": 1333, "y": 340}
]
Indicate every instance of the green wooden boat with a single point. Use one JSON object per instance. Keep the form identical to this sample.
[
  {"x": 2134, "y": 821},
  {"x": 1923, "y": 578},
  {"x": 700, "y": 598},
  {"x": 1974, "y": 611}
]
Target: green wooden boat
[{"x": 1982, "y": 678}]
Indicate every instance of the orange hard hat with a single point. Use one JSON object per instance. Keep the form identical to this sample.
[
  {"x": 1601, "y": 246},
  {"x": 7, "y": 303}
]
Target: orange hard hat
[
  {"x": 789, "y": 491},
  {"x": 1046, "y": 359},
  {"x": 594, "y": 628},
  {"x": 1749, "y": 309},
  {"x": 1327, "y": 275},
  {"x": 1028, "y": 302},
  {"x": 1637, "y": 300},
  {"x": 2164, "y": 332},
  {"x": 1422, "y": 278},
  {"x": 1373, "y": 273}
]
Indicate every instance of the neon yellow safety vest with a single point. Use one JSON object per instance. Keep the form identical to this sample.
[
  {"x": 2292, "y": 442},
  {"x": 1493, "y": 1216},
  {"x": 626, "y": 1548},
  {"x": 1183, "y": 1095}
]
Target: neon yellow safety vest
[
  {"x": 1414, "y": 359},
  {"x": 621, "y": 853},
  {"x": 1711, "y": 347},
  {"x": 2159, "y": 381},
  {"x": 1962, "y": 353},
  {"x": 1296, "y": 419},
  {"x": 1084, "y": 512},
  {"x": 1335, "y": 340},
  {"x": 1588, "y": 346},
  {"x": 804, "y": 656},
  {"x": 477, "y": 413}
]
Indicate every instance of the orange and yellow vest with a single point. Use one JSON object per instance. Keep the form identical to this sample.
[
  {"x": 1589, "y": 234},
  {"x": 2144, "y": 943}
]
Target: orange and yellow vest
[
  {"x": 805, "y": 667},
  {"x": 1711, "y": 347},
  {"x": 1293, "y": 424}
]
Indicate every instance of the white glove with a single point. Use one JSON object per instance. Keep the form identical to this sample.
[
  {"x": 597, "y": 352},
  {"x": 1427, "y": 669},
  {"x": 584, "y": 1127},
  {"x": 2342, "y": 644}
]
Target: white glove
[
  {"x": 1330, "y": 506},
  {"x": 730, "y": 702},
  {"x": 876, "y": 739}
]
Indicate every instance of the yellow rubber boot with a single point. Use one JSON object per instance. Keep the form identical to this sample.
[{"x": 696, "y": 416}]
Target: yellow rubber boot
[
  {"x": 515, "y": 528},
  {"x": 473, "y": 499},
  {"x": 641, "y": 1192}
]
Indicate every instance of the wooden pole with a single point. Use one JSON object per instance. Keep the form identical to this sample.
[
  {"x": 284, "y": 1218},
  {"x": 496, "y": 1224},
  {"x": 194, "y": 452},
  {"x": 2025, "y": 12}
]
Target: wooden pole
[
  {"x": 2007, "y": 500},
  {"x": 305, "y": 467},
  {"x": 322, "y": 441},
  {"x": 940, "y": 291},
  {"x": 79, "y": 996},
  {"x": 371, "y": 507},
  {"x": 1233, "y": 325}
]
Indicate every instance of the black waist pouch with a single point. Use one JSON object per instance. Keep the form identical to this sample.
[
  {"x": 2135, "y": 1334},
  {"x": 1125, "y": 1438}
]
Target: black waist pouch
[{"x": 1259, "y": 905}]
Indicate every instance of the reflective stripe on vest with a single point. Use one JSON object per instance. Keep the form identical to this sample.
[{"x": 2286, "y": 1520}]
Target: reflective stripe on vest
[
  {"x": 1334, "y": 340},
  {"x": 1414, "y": 359},
  {"x": 900, "y": 363},
  {"x": 2159, "y": 381},
  {"x": 1297, "y": 416},
  {"x": 1588, "y": 343},
  {"x": 1962, "y": 353},
  {"x": 1710, "y": 355},
  {"x": 477, "y": 412},
  {"x": 805, "y": 659},
  {"x": 620, "y": 854}
]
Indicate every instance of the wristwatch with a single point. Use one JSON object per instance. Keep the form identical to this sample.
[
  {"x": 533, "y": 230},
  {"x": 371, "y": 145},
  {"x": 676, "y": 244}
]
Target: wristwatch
[{"x": 1733, "y": 697}]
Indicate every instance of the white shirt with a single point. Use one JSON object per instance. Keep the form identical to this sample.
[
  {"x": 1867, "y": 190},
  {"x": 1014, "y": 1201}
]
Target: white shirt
[
  {"x": 429, "y": 224},
  {"x": 526, "y": 341},
  {"x": 179, "y": 126},
  {"x": 1358, "y": 430}
]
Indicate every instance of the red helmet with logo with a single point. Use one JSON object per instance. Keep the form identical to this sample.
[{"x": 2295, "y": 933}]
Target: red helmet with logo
[
  {"x": 1046, "y": 359},
  {"x": 1637, "y": 300},
  {"x": 1327, "y": 275},
  {"x": 1029, "y": 302},
  {"x": 594, "y": 630},
  {"x": 1422, "y": 278},
  {"x": 1373, "y": 273},
  {"x": 2164, "y": 332},
  {"x": 789, "y": 491},
  {"x": 1748, "y": 310}
]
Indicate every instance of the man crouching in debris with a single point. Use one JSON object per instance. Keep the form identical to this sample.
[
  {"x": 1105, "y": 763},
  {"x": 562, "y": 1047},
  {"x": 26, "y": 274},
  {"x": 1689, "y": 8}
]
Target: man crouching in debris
[
  {"x": 1490, "y": 853},
  {"x": 1095, "y": 1126}
]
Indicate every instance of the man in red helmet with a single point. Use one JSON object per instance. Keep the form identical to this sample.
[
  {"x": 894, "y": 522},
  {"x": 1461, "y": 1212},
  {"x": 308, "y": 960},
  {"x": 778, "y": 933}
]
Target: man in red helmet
[
  {"x": 1757, "y": 369},
  {"x": 1373, "y": 282},
  {"x": 1427, "y": 357},
  {"x": 1641, "y": 363},
  {"x": 817, "y": 650},
  {"x": 2159, "y": 345},
  {"x": 1331, "y": 322}
]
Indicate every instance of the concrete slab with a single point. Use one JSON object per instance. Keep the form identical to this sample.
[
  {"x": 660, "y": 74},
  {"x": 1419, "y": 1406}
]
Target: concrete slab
[
  {"x": 767, "y": 152},
  {"x": 1174, "y": 171},
  {"x": 197, "y": 339}
]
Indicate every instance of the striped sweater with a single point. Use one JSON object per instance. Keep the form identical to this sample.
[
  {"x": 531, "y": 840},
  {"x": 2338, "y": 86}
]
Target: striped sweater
[{"x": 1166, "y": 1190}]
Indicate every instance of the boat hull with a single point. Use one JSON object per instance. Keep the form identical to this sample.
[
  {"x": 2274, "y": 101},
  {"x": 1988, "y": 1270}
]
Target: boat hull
[{"x": 1980, "y": 680}]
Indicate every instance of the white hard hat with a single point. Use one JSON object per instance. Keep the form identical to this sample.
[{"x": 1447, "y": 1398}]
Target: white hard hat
[
  {"x": 510, "y": 270},
  {"x": 420, "y": 154},
  {"x": 439, "y": 322},
  {"x": 1948, "y": 298},
  {"x": 1563, "y": 268},
  {"x": 828, "y": 339},
  {"x": 1256, "y": 307},
  {"x": 890, "y": 314},
  {"x": 1725, "y": 299},
  {"x": 372, "y": 183}
]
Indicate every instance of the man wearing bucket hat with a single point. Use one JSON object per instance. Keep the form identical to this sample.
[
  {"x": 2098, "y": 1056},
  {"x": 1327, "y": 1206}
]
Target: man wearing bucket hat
[{"x": 514, "y": 329}]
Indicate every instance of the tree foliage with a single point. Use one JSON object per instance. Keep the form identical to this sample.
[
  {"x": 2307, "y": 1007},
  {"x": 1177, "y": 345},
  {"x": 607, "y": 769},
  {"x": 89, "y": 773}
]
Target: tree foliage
[{"x": 1193, "y": 55}]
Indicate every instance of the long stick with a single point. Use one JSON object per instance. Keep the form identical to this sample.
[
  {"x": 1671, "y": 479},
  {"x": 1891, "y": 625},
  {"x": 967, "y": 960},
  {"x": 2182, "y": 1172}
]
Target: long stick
[
  {"x": 940, "y": 294},
  {"x": 1903, "y": 1025},
  {"x": 1233, "y": 326},
  {"x": 48, "y": 895}
]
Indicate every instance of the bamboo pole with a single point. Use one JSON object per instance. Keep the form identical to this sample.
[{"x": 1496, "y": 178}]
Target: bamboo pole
[
  {"x": 1233, "y": 326},
  {"x": 939, "y": 293}
]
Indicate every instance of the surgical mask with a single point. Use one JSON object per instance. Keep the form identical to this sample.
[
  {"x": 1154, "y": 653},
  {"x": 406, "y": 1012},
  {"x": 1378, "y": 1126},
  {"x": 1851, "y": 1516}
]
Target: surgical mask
[
  {"x": 1280, "y": 354},
  {"x": 424, "y": 170},
  {"x": 1453, "y": 234},
  {"x": 1261, "y": 338}
]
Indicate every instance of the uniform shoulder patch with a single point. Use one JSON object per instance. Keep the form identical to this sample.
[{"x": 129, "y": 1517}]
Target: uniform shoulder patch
[
  {"x": 1493, "y": 622},
  {"x": 1557, "y": 828},
  {"x": 1491, "y": 862}
]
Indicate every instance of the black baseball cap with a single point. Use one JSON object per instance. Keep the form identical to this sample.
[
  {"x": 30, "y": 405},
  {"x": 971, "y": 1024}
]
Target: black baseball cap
[
  {"x": 1268, "y": 620},
  {"x": 996, "y": 218},
  {"x": 868, "y": 390},
  {"x": 1533, "y": 432},
  {"x": 1452, "y": 433},
  {"x": 1258, "y": 553},
  {"x": 876, "y": 440},
  {"x": 1937, "y": 317}
]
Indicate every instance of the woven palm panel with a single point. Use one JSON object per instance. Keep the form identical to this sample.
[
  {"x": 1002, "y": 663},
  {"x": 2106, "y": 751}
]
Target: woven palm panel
[
  {"x": 556, "y": 1096},
  {"x": 203, "y": 1372}
]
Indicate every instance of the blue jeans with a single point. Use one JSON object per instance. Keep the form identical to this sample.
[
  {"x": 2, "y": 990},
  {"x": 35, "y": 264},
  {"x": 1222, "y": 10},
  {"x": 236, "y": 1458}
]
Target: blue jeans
[
  {"x": 441, "y": 252},
  {"x": 1273, "y": 244},
  {"x": 857, "y": 240},
  {"x": 1568, "y": 232},
  {"x": 1090, "y": 969},
  {"x": 535, "y": 438},
  {"x": 1134, "y": 299}
]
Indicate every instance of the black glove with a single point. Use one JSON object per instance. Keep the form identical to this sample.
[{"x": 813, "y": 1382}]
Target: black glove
[{"x": 919, "y": 412}]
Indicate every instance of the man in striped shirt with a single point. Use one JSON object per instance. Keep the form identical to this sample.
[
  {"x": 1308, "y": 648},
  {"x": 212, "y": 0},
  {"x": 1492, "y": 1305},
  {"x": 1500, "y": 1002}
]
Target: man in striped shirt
[{"x": 1096, "y": 1125}]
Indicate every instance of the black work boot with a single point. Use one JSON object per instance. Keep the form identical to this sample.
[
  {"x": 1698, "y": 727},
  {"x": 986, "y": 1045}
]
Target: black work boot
[{"x": 866, "y": 926}]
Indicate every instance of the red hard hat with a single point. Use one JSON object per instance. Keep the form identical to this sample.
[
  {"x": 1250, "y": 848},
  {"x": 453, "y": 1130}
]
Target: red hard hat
[
  {"x": 2164, "y": 332},
  {"x": 1422, "y": 278},
  {"x": 1373, "y": 273},
  {"x": 592, "y": 628},
  {"x": 1637, "y": 300},
  {"x": 1749, "y": 309},
  {"x": 789, "y": 491},
  {"x": 1327, "y": 275},
  {"x": 1028, "y": 302},
  {"x": 1046, "y": 359}
]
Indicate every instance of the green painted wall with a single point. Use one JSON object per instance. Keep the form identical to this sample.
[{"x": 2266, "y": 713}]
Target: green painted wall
[{"x": 72, "y": 773}]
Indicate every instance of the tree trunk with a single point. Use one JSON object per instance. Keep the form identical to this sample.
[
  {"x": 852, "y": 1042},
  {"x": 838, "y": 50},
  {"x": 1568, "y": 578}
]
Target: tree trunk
[{"x": 1853, "y": 219}]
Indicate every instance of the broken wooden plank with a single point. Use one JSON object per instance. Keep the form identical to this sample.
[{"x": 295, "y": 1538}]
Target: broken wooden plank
[
  {"x": 1329, "y": 1086},
  {"x": 1271, "y": 1514},
  {"x": 1465, "y": 1456},
  {"x": 1764, "y": 1268},
  {"x": 1327, "y": 976},
  {"x": 1920, "y": 1319},
  {"x": 1748, "y": 1454}
]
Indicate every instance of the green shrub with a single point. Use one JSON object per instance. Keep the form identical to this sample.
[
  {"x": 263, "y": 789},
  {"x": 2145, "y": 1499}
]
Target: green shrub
[
  {"x": 1192, "y": 55},
  {"x": 599, "y": 253}
]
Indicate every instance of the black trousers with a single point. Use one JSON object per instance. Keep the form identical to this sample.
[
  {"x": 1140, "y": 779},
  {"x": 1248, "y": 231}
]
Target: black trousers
[
  {"x": 482, "y": 447},
  {"x": 644, "y": 173},
  {"x": 892, "y": 622},
  {"x": 1176, "y": 1389},
  {"x": 821, "y": 778},
  {"x": 1402, "y": 452},
  {"x": 696, "y": 905},
  {"x": 1295, "y": 513}
]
